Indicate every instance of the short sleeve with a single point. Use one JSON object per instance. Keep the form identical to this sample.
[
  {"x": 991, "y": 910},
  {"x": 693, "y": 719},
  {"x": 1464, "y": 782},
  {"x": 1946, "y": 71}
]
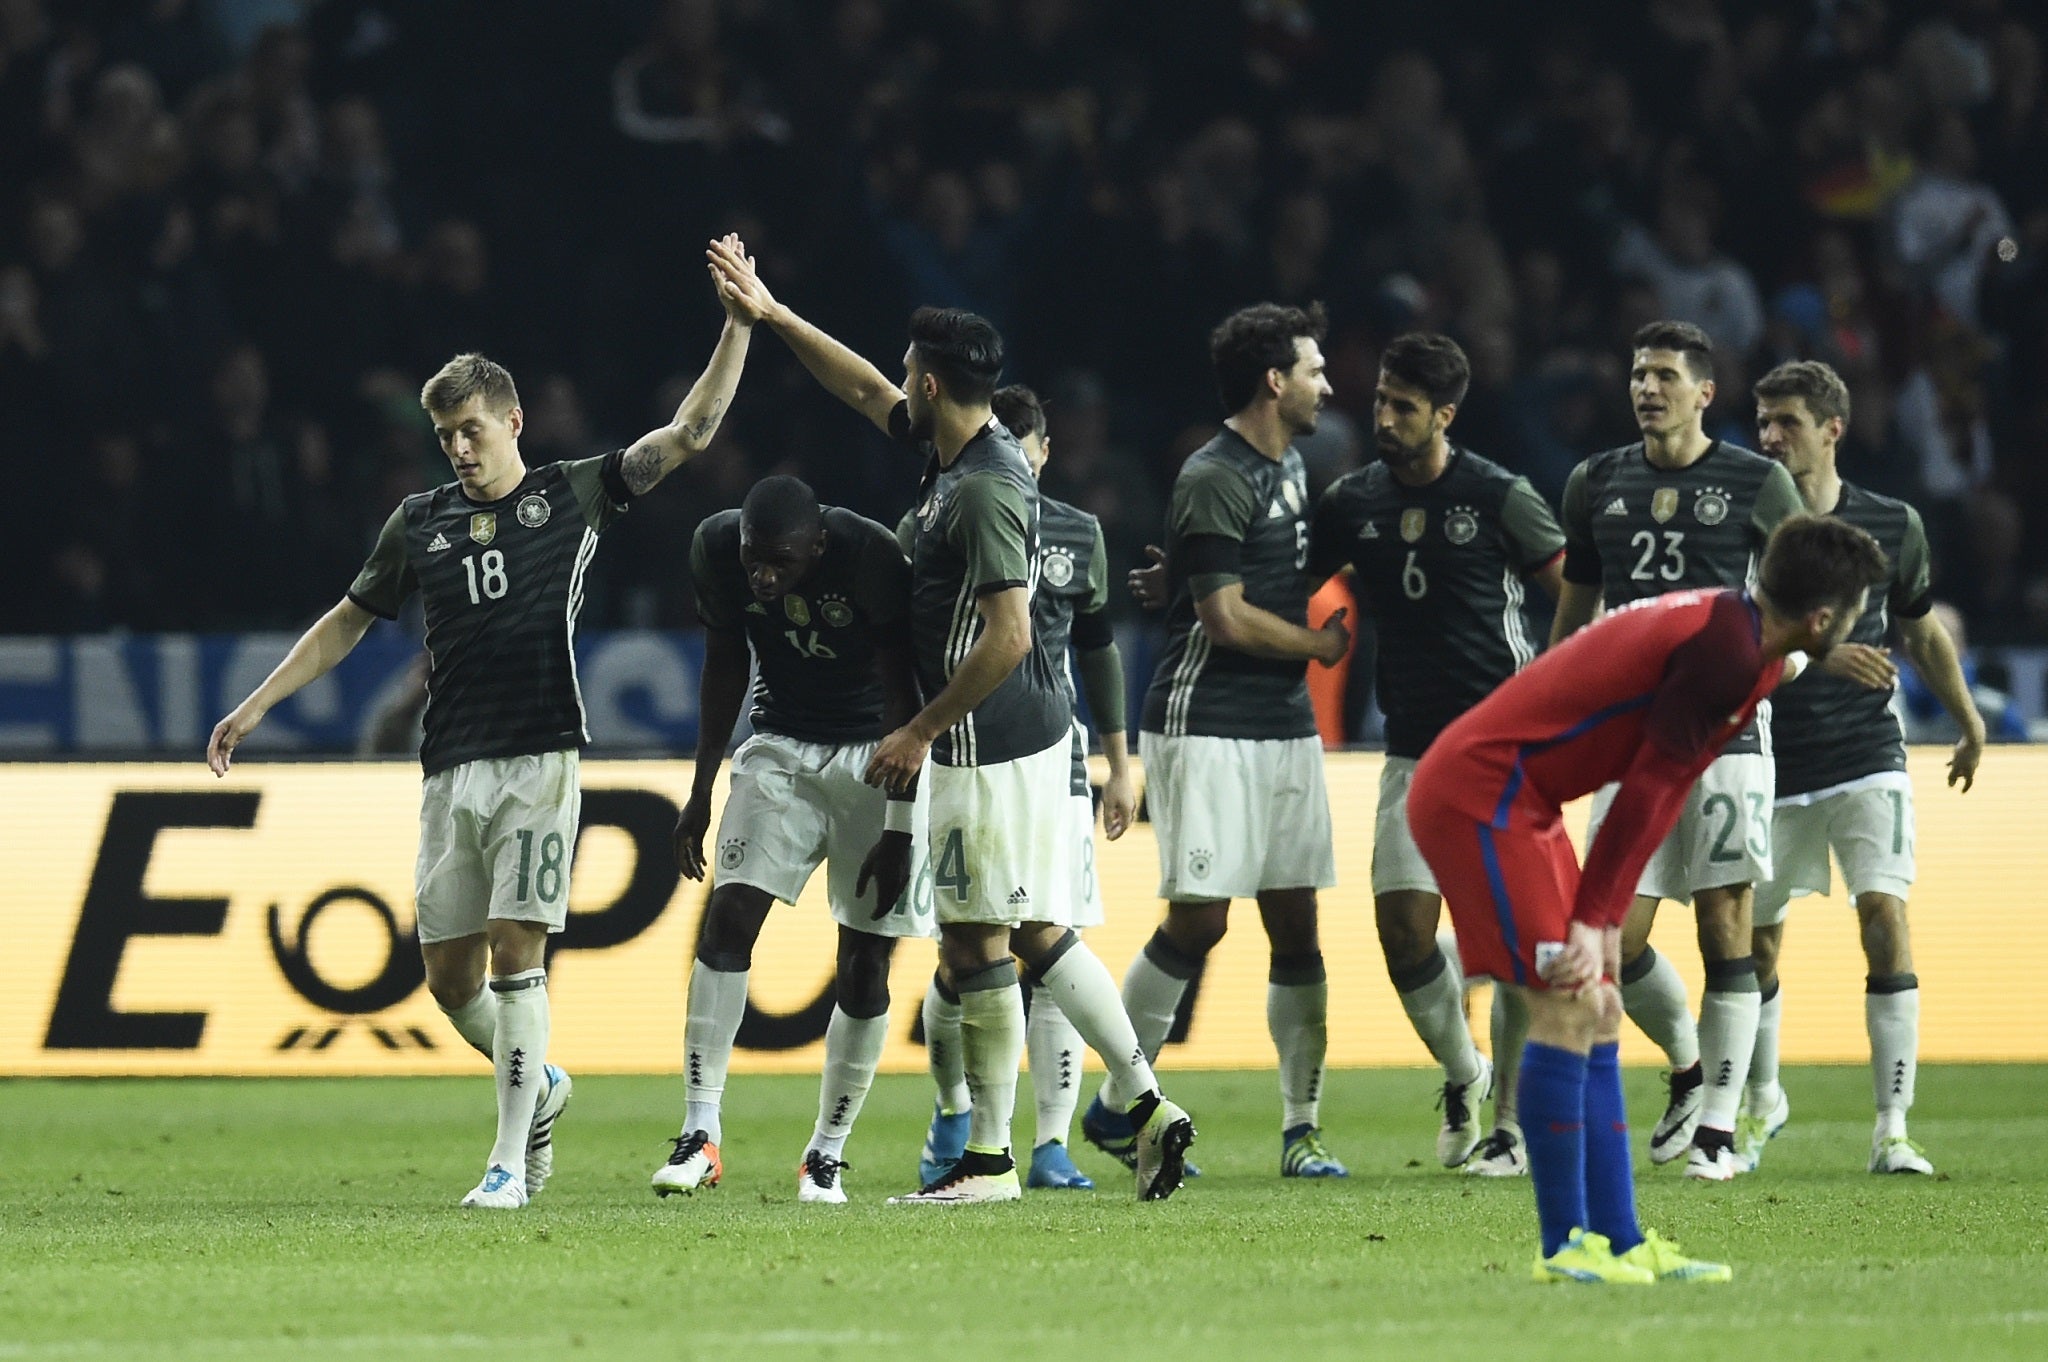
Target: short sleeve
[
  {"x": 387, "y": 577},
  {"x": 1214, "y": 500},
  {"x": 881, "y": 587},
  {"x": 1776, "y": 499},
  {"x": 1527, "y": 527},
  {"x": 991, "y": 529},
  {"x": 714, "y": 612},
  {"x": 600, "y": 487},
  {"x": 1913, "y": 575},
  {"x": 1581, "y": 553},
  {"x": 1098, "y": 574}
]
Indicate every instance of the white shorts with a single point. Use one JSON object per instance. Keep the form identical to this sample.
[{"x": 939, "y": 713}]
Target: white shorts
[
  {"x": 794, "y": 804},
  {"x": 1397, "y": 863},
  {"x": 1238, "y": 815},
  {"x": 1867, "y": 824},
  {"x": 497, "y": 836},
  {"x": 1087, "y": 911},
  {"x": 993, "y": 859},
  {"x": 1723, "y": 836}
]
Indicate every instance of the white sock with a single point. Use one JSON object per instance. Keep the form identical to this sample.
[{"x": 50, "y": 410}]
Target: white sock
[
  {"x": 992, "y": 1043},
  {"x": 853, "y": 1046},
  {"x": 1655, "y": 1001},
  {"x": 1153, "y": 987},
  {"x": 1893, "y": 1019},
  {"x": 1763, "y": 1060},
  {"x": 521, "y": 1047},
  {"x": 1055, "y": 1049},
  {"x": 1434, "y": 998},
  {"x": 718, "y": 1003},
  {"x": 942, "y": 1049},
  {"x": 1510, "y": 1033},
  {"x": 476, "y": 1021},
  {"x": 1297, "y": 1015},
  {"x": 1728, "y": 1018},
  {"x": 1088, "y": 996}
]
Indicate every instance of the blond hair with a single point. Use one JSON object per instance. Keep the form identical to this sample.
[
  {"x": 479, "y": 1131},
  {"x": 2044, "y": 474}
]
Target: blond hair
[{"x": 465, "y": 377}]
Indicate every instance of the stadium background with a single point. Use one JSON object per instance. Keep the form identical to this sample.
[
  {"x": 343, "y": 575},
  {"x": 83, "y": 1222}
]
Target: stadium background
[{"x": 236, "y": 234}]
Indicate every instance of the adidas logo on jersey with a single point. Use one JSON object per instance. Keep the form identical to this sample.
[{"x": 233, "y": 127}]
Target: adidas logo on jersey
[
  {"x": 1019, "y": 897},
  {"x": 1274, "y": 510},
  {"x": 1615, "y": 507},
  {"x": 1371, "y": 531},
  {"x": 440, "y": 542}
]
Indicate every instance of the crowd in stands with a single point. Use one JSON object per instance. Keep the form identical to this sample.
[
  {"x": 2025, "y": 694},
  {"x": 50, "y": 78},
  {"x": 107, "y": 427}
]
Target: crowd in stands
[{"x": 236, "y": 235}]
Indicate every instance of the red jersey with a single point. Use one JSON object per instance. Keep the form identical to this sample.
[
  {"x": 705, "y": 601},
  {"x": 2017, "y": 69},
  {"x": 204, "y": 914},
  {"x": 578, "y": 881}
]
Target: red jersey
[{"x": 1647, "y": 695}]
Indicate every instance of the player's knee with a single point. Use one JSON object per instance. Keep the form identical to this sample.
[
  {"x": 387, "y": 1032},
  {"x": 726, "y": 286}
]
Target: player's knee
[
  {"x": 863, "y": 978},
  {"x": 454, "y": 990},
  {"x": 1764, "y": 943},
  {"x": 732, "y": 923},
  {"x": 1724, "y": 928},
  {"x": 1195, "y": 931},
  {"x": 1887, "y": 940},
  {"x": 1290, "y": 921},
  {"x": 1408, "y": 942}
]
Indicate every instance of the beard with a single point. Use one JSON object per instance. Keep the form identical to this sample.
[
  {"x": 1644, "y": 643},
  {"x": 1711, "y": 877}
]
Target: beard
[{"x": 1399, "y": 455}]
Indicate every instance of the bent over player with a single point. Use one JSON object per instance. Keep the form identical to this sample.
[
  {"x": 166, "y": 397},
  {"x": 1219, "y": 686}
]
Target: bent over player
[
  {"x": 821, "y": 598},
  {"x": 499, "y": 555},
  {"x": 1645, "y": 698}
]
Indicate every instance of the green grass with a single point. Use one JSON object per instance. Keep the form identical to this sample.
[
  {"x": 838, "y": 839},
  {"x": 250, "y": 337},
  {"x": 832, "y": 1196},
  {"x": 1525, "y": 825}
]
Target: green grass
[{"x": 160, "y": 1220}]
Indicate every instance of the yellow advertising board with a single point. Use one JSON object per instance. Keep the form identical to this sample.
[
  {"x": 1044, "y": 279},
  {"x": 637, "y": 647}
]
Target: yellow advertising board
[{"x": 159, "y": 921}]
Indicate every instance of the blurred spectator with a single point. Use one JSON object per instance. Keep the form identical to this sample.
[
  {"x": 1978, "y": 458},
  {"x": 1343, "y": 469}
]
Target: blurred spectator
[{"x": 1921, "y": 713}]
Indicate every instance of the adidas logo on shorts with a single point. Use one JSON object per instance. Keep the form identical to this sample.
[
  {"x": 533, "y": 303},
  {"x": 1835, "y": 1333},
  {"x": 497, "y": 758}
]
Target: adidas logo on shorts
[{"x": 1018, "y": 897}]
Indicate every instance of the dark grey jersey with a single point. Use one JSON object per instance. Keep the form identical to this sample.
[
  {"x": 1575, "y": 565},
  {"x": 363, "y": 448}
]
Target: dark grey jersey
[
  {"x": 1827, "y": 730},
  {"x": 1636, "y": 530},
  {"x": 974, "y": 530},
  {"x": 1073, "y": 580},
  {"x": 1440, "y": 569},
  {"x": 502, "y": 583},
  {"x": 1236, "y": 516},
  {"x": 814, "y": 650}
]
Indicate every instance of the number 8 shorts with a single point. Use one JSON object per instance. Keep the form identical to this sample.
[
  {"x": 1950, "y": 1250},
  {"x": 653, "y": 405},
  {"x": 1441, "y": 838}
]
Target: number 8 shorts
[
  {"x": 1722, "y": 838},
  {"x": 496, "y": 838}
]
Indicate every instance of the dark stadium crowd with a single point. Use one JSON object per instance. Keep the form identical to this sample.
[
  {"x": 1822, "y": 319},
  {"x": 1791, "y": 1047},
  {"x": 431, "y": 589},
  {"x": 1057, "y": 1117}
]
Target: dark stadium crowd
[{"x": 236, "y": 235}]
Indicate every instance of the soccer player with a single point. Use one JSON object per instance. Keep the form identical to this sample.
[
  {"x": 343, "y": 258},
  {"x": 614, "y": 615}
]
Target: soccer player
[
  {"x": 1070, "y": 608},
  {"x": 1677, "y": 510},
  {"x": 1644, "y": 699},
  {"x": 499, "y": 555},
  {"x": 1841, "y": 768},
  {"x": 996, "y": 725},
  {"x": 1440, "y": 542},
  {"x": 821, "y": 598},
  {"x": 1233, "y": 763}
]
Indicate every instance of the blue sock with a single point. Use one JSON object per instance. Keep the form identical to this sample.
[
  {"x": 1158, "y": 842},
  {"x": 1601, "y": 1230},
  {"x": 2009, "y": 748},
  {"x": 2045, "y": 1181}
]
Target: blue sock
[
  {"x": 1553, "y": 1105},
  {"x": 1610, "y": 1178}
]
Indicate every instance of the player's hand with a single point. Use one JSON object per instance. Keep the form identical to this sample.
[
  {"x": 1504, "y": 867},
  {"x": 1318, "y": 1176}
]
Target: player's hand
[
  {"x": 228, "y": 735},
  {"x": 1119, "y": 803},
  {"x": 1962, "y": 763},
  {"x": 739, "y": 286},
  {"x": 888, "y": 865},
  {"x": 1871, "y": 668},
  {"x": 733, "y": 309},
  {"x": 691, "y": 826},
  {"x": 1148, "y": 584},
  {"x": 1335, "y": 644},
  {"x": 897, "y": 760},
  {"x": 1582, "y": 962}
]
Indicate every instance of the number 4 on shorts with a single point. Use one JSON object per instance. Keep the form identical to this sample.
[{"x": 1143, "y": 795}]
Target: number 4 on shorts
[{"x": 952, "y": 872}]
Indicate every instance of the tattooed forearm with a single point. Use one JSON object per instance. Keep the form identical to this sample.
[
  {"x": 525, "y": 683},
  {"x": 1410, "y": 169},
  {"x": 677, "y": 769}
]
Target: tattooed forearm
[
  {"x": 642, "y": 467},
  {"x": 700, "y": 430}
]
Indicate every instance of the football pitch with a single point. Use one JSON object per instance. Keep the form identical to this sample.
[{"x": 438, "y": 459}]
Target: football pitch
[{"x": 317, "y": 1218}]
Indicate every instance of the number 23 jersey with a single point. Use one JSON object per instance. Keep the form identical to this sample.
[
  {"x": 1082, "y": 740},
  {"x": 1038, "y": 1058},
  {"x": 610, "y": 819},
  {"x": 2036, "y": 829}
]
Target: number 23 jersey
[{"x": 502, "y": 583}]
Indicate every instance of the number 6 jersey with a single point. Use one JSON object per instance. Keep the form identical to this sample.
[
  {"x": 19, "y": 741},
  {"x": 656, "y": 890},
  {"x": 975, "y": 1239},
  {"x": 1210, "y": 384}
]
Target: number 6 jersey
[
  {"x": 1636, "y": 530},
  {"x": 502, "y": 582}
]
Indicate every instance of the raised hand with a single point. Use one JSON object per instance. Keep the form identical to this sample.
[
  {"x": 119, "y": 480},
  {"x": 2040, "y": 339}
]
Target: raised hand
[{"x": 739, "y": 284}]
